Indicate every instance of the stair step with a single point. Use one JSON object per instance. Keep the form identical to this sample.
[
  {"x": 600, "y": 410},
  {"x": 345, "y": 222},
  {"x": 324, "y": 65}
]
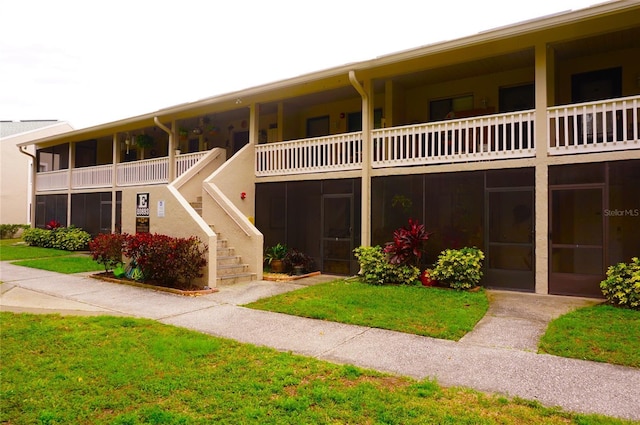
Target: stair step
[
  {"x": 226, "y": 252},
  {"x": 232, "y": 269},
  {"x": 225, "y": 260},
  {"x": 197, "y": 206},
  {"x": 231, "y": 279}
]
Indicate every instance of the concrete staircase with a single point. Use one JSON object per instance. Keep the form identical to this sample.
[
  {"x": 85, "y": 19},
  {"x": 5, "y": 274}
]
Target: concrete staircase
[{"x": 230, "y": 267}]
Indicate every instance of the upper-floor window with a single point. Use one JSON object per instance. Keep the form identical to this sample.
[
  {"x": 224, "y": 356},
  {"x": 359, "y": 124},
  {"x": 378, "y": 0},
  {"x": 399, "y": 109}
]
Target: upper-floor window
[
  {"x": 53, "y": 158},
  {"x": 517, "y": 98},
  {"x": 596, "y": 85},
  {"x": 442, "y": 109}
]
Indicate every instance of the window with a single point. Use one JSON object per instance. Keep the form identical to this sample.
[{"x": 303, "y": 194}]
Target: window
[
  {"x": 318, "y": 126},
  {"x": 517, "y": 98},
  {"x": 443, "y": 109},
  {"x": 53, "y": 158}
]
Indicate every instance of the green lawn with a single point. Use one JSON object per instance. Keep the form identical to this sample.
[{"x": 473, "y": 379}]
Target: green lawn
[
  {"x": 16, "y": 249},
  {"x": 108, "y": 370},
  {"x": 600, "y": 333},
  {"x": 54, "y": 260},
  {"x": 434, "y": 312},
  {"x": 67, "y": 264}
]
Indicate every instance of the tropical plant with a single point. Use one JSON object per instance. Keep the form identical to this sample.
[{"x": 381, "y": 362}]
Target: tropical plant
[
  {"x": 407, "y": 245},
  {"x": 295, "y": 258},
  {"x": 275, "y": 252},
  {"x": 375, "y": 269},
  {"x": 622, "y": 285},
  {"x": 459, "y": 268}
]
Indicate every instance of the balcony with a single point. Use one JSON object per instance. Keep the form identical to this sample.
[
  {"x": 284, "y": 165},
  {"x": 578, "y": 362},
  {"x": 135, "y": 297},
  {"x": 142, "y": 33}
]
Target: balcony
[
  {"x": 603, "y": 126},
  {"x": 136, "y": 173},
  {"x": 483, "y": 138},
  {"x": 340, "y": 152}
]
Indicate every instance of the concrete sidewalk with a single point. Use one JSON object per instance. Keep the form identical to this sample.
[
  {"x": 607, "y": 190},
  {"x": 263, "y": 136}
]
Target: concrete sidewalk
[{"x": 499, "y": 356}]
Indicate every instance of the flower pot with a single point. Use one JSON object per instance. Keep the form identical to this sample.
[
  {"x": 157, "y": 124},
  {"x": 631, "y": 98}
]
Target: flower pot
[
  {"x": 277, "y": 266},
  {"x": 298, "y": 270},
  {"x": 426, "y": 279}
]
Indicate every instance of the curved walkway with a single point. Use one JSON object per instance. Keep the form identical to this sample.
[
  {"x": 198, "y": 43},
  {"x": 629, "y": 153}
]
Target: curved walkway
[{"x": 499, "y": 356}]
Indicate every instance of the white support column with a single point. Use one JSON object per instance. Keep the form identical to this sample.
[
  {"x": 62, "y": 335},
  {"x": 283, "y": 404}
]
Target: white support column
[
  {"x": 114, "y": 180},
  {"x": 280, "y": 137},
  {"x": 172, "y": 150},
  {"x": 367, "y": 127},
  {"x": 254, "y": 123},
  {"x": 388, "y": 103},
  {"x": 544, "y": 94},
  {"x": 72, "y": 161}
]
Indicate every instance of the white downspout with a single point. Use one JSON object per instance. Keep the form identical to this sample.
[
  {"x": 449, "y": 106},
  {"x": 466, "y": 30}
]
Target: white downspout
[
  {"x": 32, "y": 189},
  {"x": 172, "y": 156},
  {"x": 366, "y": 162}
]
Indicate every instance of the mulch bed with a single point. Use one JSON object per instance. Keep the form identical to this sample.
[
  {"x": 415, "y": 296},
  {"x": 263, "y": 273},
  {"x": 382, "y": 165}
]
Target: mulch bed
[
  {"x": 109, "y": 277},
  {"x": 283, "y": 277}
]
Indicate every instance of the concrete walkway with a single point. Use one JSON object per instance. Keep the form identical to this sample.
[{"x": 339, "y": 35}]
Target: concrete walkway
[{"x": 499, "y": 356}]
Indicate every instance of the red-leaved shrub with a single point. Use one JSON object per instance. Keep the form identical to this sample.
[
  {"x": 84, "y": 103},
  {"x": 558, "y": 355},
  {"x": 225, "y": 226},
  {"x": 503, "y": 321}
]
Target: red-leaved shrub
[
  {"x": 166, "y": 260},
  {"x": 107, "y": 248}
]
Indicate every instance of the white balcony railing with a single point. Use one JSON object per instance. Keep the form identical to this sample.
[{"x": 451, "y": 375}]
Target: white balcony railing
[
  {"x": 148, "y": 171},
  {"x": 472, "y": 139},
  {"x": 594, "y": 126},
  {"x": 53, "y": 180},
  {"x": 340, "y": 152},
  {"x": 135, "y": 173},
  {"x": 188, "y": 160},
  {"x": 86, "y": 177}
]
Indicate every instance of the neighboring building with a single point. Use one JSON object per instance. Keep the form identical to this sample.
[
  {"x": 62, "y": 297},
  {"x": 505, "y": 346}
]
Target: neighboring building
[
  {"x": 15, "y": 176},
  {"x": 523, "y": 141}
]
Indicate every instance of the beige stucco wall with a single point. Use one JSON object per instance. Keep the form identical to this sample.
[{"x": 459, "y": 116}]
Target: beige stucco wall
[
  {"x": 15, "y": 173},
  {"x": 231, "y": 216}
]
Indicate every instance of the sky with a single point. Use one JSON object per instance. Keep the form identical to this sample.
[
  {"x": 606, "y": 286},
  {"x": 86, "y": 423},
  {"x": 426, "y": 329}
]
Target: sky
[{"x": 90, "y": 63}]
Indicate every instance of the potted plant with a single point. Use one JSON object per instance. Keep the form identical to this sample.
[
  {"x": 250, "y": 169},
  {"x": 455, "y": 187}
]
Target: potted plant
[
  {"x": 298, "y": 262},
  {"x": 274, "y": 256},
  {"x": 183, "y": 134},
  {"x": 144, "y": 141}
]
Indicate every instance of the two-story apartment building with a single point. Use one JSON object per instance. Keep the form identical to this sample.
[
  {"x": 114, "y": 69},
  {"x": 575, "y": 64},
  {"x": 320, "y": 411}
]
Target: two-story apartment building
[{"x": 522, "y": 140}]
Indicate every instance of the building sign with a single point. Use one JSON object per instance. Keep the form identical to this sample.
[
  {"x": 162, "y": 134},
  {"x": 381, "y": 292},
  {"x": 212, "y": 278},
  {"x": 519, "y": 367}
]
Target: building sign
[
  {"x": 142, "y": 213},
  {"x": 160, "y": 208}
]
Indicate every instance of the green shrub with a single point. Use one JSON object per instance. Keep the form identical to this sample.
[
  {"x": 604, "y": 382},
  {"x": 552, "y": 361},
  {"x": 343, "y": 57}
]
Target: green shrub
[
  {"x": 459, "y": 268},
  {"x": 7, "y": 231},
  {"x": 622, "y": 285},
  {"x": 70, "y": 238},
  {"x": 65, "y": 238},
  {"x": 375, "y": 269},
  {"x": 38, "y": 237}
]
